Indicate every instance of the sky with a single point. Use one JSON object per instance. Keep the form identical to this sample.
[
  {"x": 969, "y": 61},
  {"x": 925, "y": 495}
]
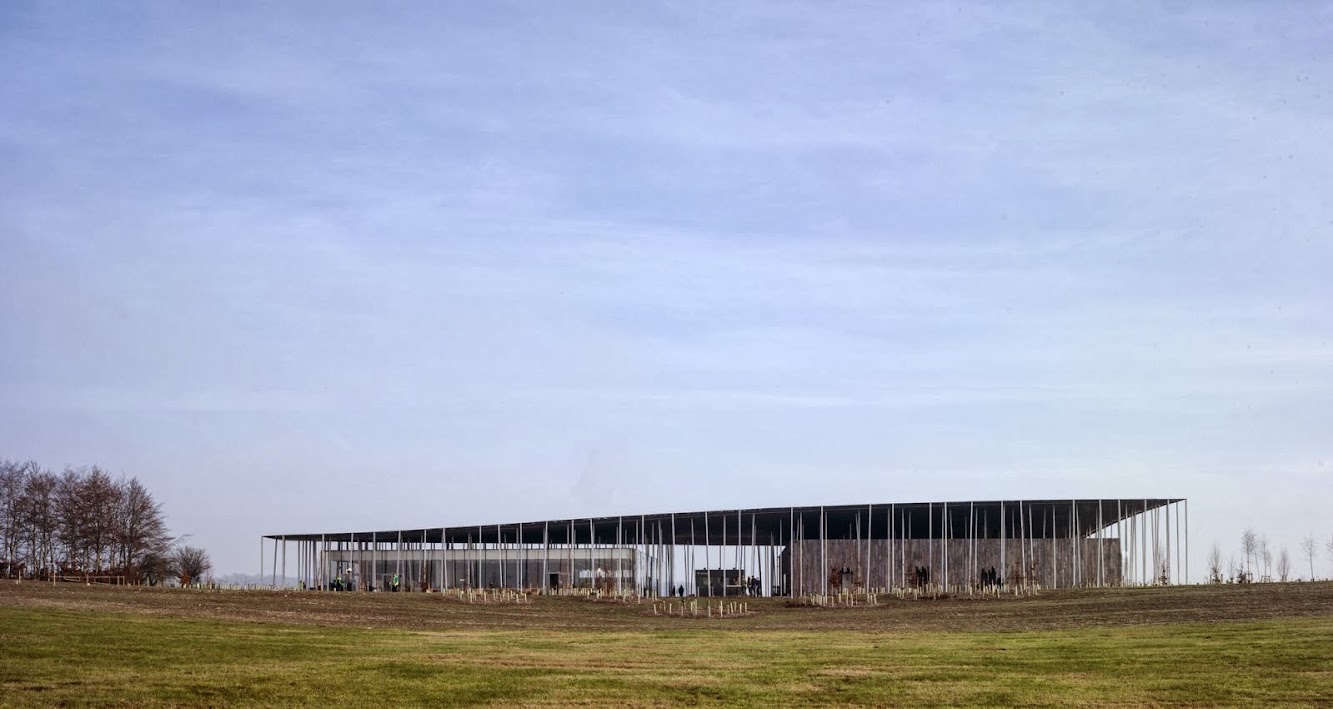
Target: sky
[{"x": 305, "y": 267}]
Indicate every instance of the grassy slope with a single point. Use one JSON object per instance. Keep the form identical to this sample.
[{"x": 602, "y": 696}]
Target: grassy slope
[{"x": 50, "y": 656}]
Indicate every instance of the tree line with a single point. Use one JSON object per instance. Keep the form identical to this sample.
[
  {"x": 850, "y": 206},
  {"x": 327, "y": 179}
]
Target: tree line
[
  {"x": 1258, "y": 561},
  {"x": 83, "y": 523}
]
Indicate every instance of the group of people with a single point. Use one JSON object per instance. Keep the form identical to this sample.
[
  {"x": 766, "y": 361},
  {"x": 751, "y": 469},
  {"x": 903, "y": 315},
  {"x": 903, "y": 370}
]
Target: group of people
[
  {"x": 921, "y": 577},
  {"x": 337, "y": 584},
  {"x": 752, "y": 586}
]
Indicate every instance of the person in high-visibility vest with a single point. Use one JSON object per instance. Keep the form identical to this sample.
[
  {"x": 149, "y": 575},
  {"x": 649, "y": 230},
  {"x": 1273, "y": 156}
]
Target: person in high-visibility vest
[{"x": 395, "y": 583}]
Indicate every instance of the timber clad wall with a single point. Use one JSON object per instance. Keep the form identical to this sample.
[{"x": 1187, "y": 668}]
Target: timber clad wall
[{"x": 1058, "y": 563}]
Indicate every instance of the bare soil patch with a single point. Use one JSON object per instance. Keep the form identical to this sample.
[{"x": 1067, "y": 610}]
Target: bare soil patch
[{"x": 1075, "y": 608}]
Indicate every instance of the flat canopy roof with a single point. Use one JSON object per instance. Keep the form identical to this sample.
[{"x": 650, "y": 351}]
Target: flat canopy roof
[{"x": 1039, "y": 519}]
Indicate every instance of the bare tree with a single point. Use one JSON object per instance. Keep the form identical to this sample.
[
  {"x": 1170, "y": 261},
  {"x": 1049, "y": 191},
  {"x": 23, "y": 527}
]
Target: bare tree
[
  {"x": 72, "y": 521},
  {"x": 191, "y": 563},
  {"x": 156, "y": 567},
  {"x": 101, "y": 495},
  {"x": 1215, "y": 564},
  {"x": 89, "y": 504},
  {"x": 1308, "y": 549},
  {"x": 140, "y": 531},
  {"x": 12, "y": 483},
  {"x": 39, "y": 519},
  {"x": 1283, "y": 565},
  {"x": 80, "y": 521},
  {"x": 1266, "y": 556},
  {"x": 1249, "y": 544}
]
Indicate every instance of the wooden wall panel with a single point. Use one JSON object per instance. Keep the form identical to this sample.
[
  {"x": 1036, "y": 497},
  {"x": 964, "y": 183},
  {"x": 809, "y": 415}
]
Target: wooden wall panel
[{"x": 880, "y": 564}]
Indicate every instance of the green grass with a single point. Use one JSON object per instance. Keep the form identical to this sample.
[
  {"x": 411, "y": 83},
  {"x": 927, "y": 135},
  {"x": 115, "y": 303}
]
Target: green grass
[{"x": 55, "y": 656}]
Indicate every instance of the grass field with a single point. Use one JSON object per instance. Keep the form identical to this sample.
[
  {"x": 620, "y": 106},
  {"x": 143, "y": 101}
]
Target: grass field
[{"x": 1269, "y": 645}]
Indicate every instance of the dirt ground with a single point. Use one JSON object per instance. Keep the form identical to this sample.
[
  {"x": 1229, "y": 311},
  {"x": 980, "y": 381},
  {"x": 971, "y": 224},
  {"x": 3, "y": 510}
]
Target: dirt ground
[{"x": 1078, "y": 608}]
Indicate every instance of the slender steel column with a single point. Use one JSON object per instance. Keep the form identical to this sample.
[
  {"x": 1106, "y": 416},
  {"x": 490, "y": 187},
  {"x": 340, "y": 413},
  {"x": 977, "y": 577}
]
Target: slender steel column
[
  {"x": 721, "y": 555},
  {"x": 1143, "y": 542},
  {"x": 930, "y": 542},
  {"x": 1187, "y": 541},
  {"x": 694, "y": 576},
  {"x": 1120, "y": 543},
  {"x": 893, "y": 541},
  {"x": 1179, "y": 557},
  {"x": 673, "y": 551},
  {"x": 755, "y": 558},
  {"x": 972, "y": 572},
  {"x": 888, "y": 549},
  {"x": 1073, "y": 549},
  {"x": 1166, "y": 518},
  {"x": 708, "y": 565},
  {"x": 1055, "y": 553},
  {"x": 1022, "y": 548},
  {"x": 909, "y": 536},
  {"x": 791, "y": 552},
  {"x": 944, "y": 539},
  {"x": 823, "y": 551},
  {"x": 1032, "y": 546},
  {"x": 870, "y": 535},
  {"x": 1101, "y": 565}
]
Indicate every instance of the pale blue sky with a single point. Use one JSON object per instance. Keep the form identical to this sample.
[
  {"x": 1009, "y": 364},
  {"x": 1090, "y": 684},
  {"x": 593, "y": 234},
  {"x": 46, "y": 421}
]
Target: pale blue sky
[{"x": 330, "y": 265}]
